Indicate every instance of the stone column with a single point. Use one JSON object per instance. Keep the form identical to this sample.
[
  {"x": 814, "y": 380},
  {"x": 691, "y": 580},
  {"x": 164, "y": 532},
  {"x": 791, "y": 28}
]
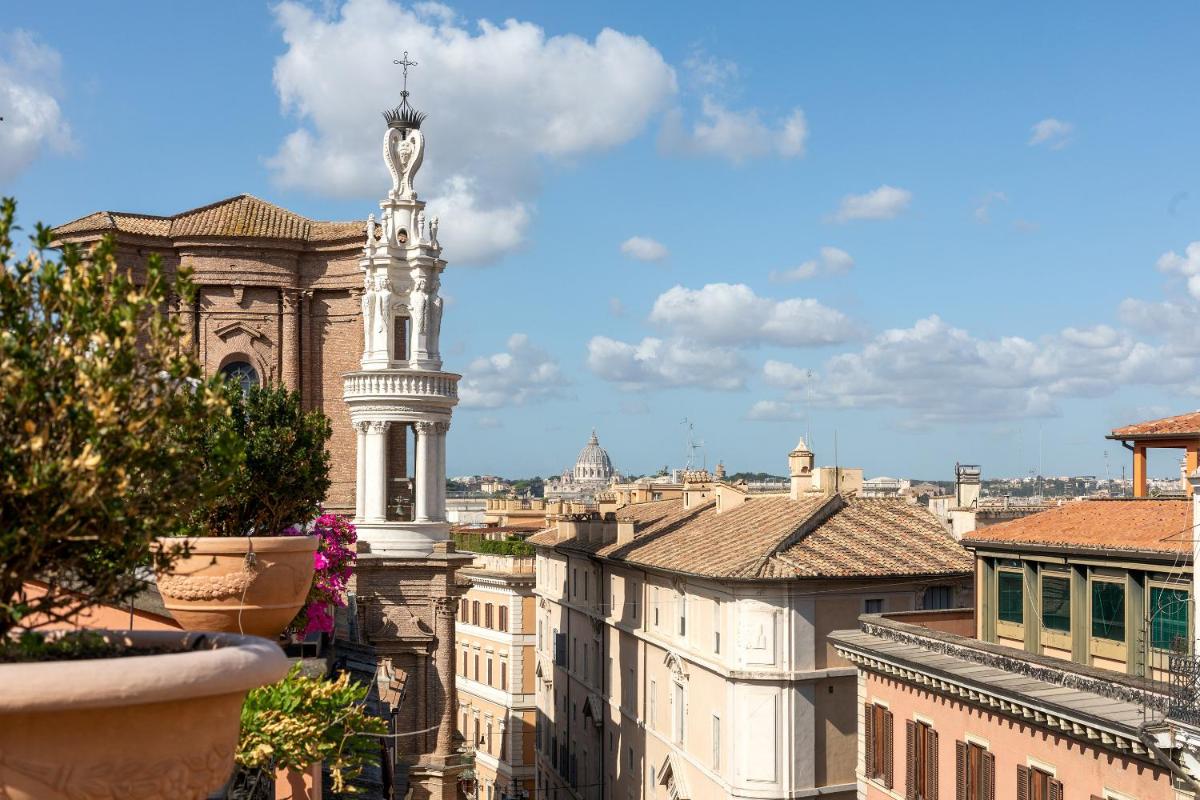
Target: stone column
[
  {"x": 439, "y": 489},
  {"x": 447, "y": 608},
  {"x": 425, "y": 468},
  {"x": 187, "y": 321},
  {"x": 375, "y": 472},
  {"x": 360, "y": 479},
  {"x": 306, "y": 347},
  {"x": 289, "y": 339}
]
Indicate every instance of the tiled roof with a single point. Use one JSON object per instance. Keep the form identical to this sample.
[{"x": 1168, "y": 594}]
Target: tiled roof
[
  {"x": 243, "y": 215},
  {"x": 1179, "y": 425},
  {"x": 775, "y": 537},
  {"x": 1147, "y": 525}
]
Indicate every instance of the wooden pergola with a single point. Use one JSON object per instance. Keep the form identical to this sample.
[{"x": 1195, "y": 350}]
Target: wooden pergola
[{"x": 1181, "y": 432}]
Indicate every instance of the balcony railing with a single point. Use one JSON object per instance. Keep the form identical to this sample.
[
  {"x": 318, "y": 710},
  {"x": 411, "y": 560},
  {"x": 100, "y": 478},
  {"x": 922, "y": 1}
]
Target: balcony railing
[
  {"x": 1183, "y": 700},
  {"x": 400, "y": 383}
]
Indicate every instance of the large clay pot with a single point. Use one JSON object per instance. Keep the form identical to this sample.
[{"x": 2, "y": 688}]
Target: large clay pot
[
  {"x": 145, "y": 727},
  {"x": 247, "y": 584}
]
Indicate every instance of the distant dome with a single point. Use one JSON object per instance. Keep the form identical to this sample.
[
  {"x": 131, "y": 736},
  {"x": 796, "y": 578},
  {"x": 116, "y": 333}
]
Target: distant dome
[{"x": 593, "y": 463}]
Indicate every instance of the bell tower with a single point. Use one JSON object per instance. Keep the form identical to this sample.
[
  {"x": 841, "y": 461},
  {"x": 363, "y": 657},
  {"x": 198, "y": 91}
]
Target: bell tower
[
  {"x": 401, "y": 389},
  {"x": 800, "y": 468}
]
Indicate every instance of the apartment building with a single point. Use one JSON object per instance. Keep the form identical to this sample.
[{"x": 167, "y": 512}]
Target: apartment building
[
  {"x": 495, "y": 666},
  {"x": 1073, "y": 678},
  {"x": 681, "y": 644}
]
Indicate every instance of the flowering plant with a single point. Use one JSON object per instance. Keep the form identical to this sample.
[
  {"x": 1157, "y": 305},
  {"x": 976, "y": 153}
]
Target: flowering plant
[{"x": 334, "y": 561}]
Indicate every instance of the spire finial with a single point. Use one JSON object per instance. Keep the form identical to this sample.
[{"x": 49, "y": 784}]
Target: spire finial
[{"x": 404, "y": 116}]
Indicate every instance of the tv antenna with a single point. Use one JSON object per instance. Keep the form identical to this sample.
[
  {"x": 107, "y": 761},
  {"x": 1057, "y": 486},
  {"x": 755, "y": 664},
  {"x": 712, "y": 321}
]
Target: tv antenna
[{"x": 693, "y": 444}]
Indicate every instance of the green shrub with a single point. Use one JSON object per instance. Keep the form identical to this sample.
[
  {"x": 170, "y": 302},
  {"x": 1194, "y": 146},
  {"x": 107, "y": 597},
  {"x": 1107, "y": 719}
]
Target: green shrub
[
  {"x": 102, "y": 416},
  {"x": 301, "y": 720},
  {"x": 477, "y": 543},
  {"x": 284, "y": 475}
]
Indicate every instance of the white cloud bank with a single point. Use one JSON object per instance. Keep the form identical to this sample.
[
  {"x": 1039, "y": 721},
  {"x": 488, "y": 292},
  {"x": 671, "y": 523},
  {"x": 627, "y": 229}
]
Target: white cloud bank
[
  {"x": 643, "y": 248},
  {"x": 886, "y": 202},
  {"x": 736, "y": 136},
  {"x": 30, "y": 91},
  {"x": 658, "y": 363},
  {"x": 524, "y": 373}
]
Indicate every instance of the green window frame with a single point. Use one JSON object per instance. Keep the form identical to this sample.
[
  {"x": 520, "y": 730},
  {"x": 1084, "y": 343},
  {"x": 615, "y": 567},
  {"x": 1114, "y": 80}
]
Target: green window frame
[
  {"x": 1010, "y": 589},
  {"x": 1056, "y": 603},
  {"x": 1169, "y": 618},
  {"x": 1108, "y": 610}
]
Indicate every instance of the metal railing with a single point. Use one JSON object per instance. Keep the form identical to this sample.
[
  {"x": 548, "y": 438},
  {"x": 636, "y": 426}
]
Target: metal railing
[{"x": 1183, "y": 699}]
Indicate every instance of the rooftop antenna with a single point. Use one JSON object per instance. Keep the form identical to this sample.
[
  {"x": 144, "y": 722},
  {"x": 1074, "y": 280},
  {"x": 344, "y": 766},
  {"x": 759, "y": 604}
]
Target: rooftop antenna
[
  {"x": 837, "y": 473},
  {"x": 692, "y": 444}
]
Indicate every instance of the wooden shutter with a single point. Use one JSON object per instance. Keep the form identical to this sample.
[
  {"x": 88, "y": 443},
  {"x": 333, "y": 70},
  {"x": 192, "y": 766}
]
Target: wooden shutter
[
  {"x": 910, "y": 760},
  {"x": 888, "y": 762},
  {"x": 1022, "y": 782},
  {"x": 1056, "y": 789},
  {"x": 987, "y": 781},
  {"x": 960, "y": 771},
  {"x": 931, "y": 764},
  {"x": 869, "y": 740}
]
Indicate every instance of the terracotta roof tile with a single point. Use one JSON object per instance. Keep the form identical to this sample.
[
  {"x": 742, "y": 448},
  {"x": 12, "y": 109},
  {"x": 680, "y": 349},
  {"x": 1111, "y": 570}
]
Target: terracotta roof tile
[
  {"x": 1154, "y": 525},
  {"x": 243, "y": 215},
  {"x": 1181, "y": 424},
  {"x": 775, "y": 537}
]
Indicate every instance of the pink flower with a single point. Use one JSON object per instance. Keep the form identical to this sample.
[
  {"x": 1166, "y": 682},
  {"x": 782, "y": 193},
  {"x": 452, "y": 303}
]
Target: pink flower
[{"x": 320, "y": 561}]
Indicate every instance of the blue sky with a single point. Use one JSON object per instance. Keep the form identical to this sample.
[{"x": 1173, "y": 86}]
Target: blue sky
[{"x": 946, "y": 232}]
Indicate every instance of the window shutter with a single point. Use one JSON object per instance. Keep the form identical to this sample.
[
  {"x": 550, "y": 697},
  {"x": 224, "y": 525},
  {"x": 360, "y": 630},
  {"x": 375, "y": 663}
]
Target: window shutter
[
  {"x": 869, "y": 740},
  {"x": 1022, "y": 782},
  {"x": 887, "y": 749},
  {"x": 910, "y": 760},
  {"x": 960, "y": 771},
  {"x": 987, "y": 781},
  {"x": 931, "y": 765},
  {"x": 1056, "y": 789}
]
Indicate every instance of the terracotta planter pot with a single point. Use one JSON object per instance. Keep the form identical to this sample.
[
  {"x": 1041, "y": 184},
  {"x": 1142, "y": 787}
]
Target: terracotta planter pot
[
  {"x": 136, "y": 727},
  {"x": 216, "y": 587}
]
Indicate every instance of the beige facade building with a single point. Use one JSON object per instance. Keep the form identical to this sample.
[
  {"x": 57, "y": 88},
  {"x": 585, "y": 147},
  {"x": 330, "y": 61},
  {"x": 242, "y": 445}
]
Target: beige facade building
[
  {"x": 494, "y": 674},
  {"x": 681, "y": 643}
]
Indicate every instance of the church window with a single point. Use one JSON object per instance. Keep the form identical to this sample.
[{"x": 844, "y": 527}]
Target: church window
[
  {"x": 400, "y": 338},
  {"x": 241, "y": 373}
]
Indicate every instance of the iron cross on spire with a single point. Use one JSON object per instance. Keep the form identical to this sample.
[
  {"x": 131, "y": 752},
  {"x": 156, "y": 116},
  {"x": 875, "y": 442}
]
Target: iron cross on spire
[{"x": 404, "y": 62}]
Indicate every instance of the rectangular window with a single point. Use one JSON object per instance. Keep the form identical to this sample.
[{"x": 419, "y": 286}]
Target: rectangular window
[
  {"x": 656, "y": 606},
  {"x": 574, "y": 581},
  {"x": 474, "y": 612},
  {"x": 716, "y": 742},
  {"x": 683, "y": 615},
  {"x": 717, "y": 627},
  {"x": 922, "y": 762},
  {"x": 587, "y": 584},
  {"x": 939, "y": 597},
  {"x": 1108, "y": 610},
  {"x": 476, "y": 666},
  {"x": 503, "y": 620},
  {"x": 873, "y": 605},
  {"x": 487, "y": 615},
  {"x": 651, "y": 722},
  {"x": 504, "y": 675},
  {"x": 462, "y": 610},
  {"x": 633, "y": 600},
  {"x": 489, "y": 672},
  {"x": 877, "y": 750},
  {"x": 1036, "y": 784},
  {"x": 1012, "y": 597},
  {"x": 1056, "y": 603},
  {"x": 680, "y": 714},
  {"x": 975, "y": 773},
  {"x": 1169, "y": 619},
  {"x": 587, "y": 662}
]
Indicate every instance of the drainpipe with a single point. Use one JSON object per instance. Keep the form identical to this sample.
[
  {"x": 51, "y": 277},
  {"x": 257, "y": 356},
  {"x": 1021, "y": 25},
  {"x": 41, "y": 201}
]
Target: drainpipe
[{"x": 1194, "y": 480}]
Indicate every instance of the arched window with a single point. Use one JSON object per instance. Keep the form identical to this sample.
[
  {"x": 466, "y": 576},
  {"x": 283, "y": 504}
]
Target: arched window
[{"x": 241, "y": 373}]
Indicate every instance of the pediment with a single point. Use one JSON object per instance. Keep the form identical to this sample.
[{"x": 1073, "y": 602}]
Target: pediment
[
  {"x": 668, "y": 777},
  {"x": 239, "y": 328}
]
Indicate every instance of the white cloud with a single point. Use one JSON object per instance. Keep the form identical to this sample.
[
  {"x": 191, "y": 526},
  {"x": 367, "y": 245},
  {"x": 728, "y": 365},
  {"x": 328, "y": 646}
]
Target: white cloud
[
  {"x": 30, "y": 91},
  {"x": 734, "y": 135},
  {"x": 832, "y": 261},
  {"x": 773, "y": 411},
  {"x": 732, "y": 314},
  {"x": 707, "y": 71},
  {"x": 671, "y": 363},
  {"x": 643, "y": 248},
  {"x": 940, "y": 373},
  {"x": 502, "y": 99},
  {"x": 983, "y": 210},
  {"x": 523, "y": 374},
  {"x": 1053, "y": 133},
  {"x": 886, "y": 202},
  {"x": 1186, "y": 265}
]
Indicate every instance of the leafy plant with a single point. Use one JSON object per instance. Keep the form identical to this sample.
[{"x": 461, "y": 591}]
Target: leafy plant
[
  {"x": 102, "y": 414},
  {"x": 285, "y": 472},
  {"x": 475, "y": 543},
  {"x": 333, "y": 562},
  {"x": 301, "y": 720}
]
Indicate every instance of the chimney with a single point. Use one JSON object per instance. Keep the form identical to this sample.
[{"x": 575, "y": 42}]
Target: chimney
[
  {"x": 966, "y": 485},
  {"x": 800, "y": 465},
  {"x": 625, "y": 531}
]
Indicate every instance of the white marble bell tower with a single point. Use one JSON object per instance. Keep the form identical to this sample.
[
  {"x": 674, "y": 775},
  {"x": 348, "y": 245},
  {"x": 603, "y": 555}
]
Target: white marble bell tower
[{"x": 401, "y": 393}]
